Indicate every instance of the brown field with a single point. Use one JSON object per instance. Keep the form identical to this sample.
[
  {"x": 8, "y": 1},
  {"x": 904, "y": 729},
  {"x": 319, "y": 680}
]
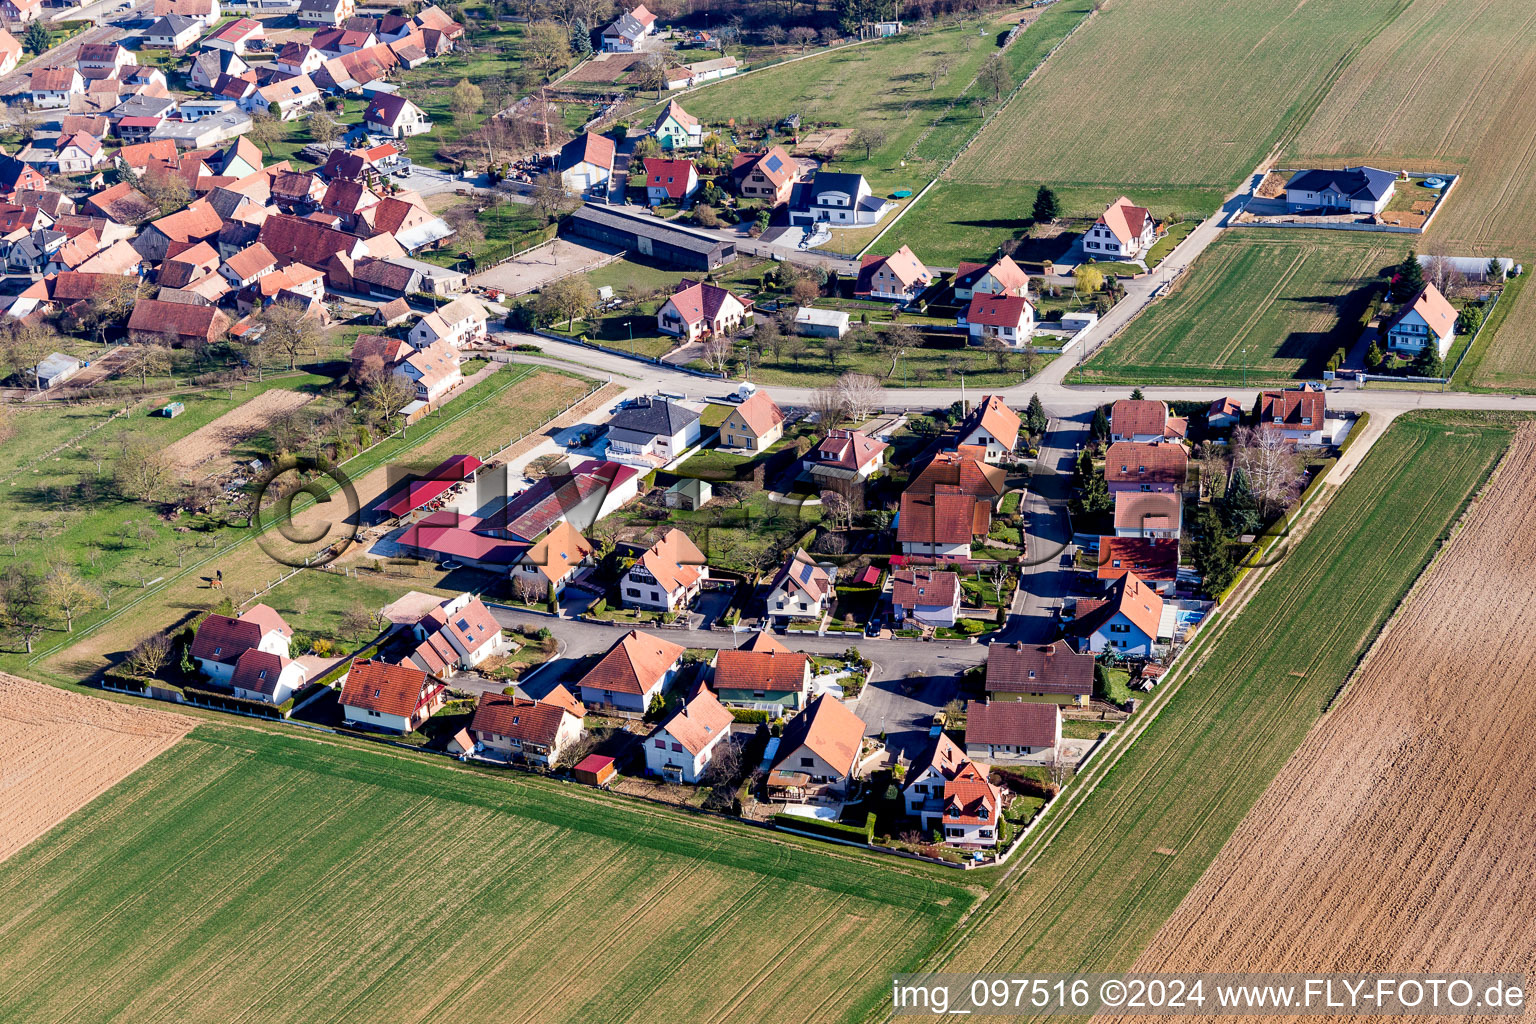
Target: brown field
[
  {"x": 217, "y": 439},
  {"x": 59, "y": 751},
  {"x": 1397, "y": 838}
]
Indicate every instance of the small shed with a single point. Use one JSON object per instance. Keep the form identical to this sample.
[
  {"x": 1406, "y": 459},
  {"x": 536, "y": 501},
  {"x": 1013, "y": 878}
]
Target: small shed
[
  {"x": 821, "y": 323},
  {"x": 56, "y": 369},
  {"x": 689, "y": 493},
  {"x": 1079, "y": 321},
  {"x": 171, "y": 410},
  {"x": 595, "y": 770},
  {"x": 462, "y": 743},
  {"x": 868, "y": 577},
  {"x": 395, "y": 311}
]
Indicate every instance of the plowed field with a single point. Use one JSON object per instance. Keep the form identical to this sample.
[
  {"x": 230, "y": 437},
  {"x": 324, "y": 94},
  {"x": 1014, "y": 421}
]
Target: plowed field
[
  {"x": 1399, "y": 835},
  {"x": 60, "y": 750}
]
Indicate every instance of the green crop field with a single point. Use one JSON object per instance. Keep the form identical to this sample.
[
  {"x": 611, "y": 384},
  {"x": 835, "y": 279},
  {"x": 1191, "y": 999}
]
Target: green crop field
[
  {"x": 1163, "y": 95},
  {"x": 1138, "y": 842},
  {"x": 244, "y": 874},
  {"x": 1277, "y": 302}
]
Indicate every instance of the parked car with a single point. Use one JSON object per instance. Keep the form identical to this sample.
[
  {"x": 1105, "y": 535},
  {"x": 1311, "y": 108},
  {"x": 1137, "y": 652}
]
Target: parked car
[{"x": 874, "y": 627}]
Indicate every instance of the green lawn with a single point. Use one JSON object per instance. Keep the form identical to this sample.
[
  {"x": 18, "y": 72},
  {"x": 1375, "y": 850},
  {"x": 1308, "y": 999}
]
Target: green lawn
[
  {"x": 1272, "y": 305},
  {"x": 943, "y": 358},
  {"x": 468, "y": 890},
  {"x": 489, "y": 61},
  {"x": 1152, "y": 823}
]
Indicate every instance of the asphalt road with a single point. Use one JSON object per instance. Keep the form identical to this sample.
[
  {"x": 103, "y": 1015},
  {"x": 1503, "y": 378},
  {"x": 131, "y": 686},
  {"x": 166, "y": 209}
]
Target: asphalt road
[{"x": 1048, "y": 532}]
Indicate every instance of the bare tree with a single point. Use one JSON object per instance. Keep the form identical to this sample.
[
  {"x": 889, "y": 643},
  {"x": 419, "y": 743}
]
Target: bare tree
[
  {"x": 386, "y": 394},
  {"x": 938, "y": 71},
  {"x": 356, "y": 623},
  {"x": 529, "y": 590},
  {"x": 827, "y": 405},
  {"x": 802, "y": 36},
  {"x": 724, "y": 768},
  {"x": 999, "y": 576},
  {"x": 149, "y": 655},
  {"x": 717, "y": 353},
  {"x": 1271, "y": 466},
  {"x": 289, "y": 330},
  {"x": 860, "y": 394},
  {"x": 836, "y": 510}
]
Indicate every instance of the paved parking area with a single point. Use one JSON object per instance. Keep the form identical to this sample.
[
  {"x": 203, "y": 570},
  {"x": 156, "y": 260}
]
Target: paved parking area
[{"x": 541, "y": 266}]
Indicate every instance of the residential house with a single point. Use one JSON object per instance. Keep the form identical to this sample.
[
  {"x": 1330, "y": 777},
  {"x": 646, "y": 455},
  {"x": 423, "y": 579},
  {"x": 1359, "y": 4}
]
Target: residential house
[
  {"x": 1155, "y": 562},
  {"x": 925, "y": 597},
  {"x": 1131, "y": 466},
  {"x": 586, "y": 163},
  {"x": 800, "y": 589},
  {"x": 20, "y": 12},
  {"x": 1153, "y": 515},
  {"x": 248, "y": 265},
  {"x": 33, "y": 251},
  {"x": 940, "y": 526},
  {"x": 434, "y": 371},
  {"x": 1002, "y": 277},
  {"x": 375, "y": 353},
  {"x": 680, "y": 748},
  {"x": 899, "y": 277},
  {"x": 298, "y": 240},
  {"x": 667, "y": 576},
  {"x": 555, "y": 559},
  {"x": 195, "y": 223},
  {"x": 52, "y": 87},
  {"x": 299, "y": 58},
  {"x": 635, "y": 670},
  {"x": 628, "y": 32},
  {"x": 10, "y": 52},
  {"x": 821, "y": 323},
  {"x": 961, "y": 472},
  {"x": 754, "y": 425},
  {"x": 675, "y": 128},
  {"x": 1145, "y": 421},
  {"x": 1224, "y": 414},
  {"x": 392, "y": 698},
  {"x": 1425, "y": 319},
  {"x": 78, "y": 153},
  {"x": 325, "y": 12},
  {"x": 1297, "y": 413},
  {"x": 173, "y": 32},
  {"x": 205, "y": 12},
  {"x": 16, "y": 176},
  {"x": 413, "y": 226},
  {"x": 1004, "y": 319},
  {"x": 221, "y": 639},
  {"x": 946, "y": 790},
  {"x": 158, "y": 322},
  {"x": 1351, "y": 189},
  {"x": 286, "y": 98},
  {"x": 395, "y": 117},
  {"x": 670, "y": 181},
  {"x": 699, "y": 308},
  {"x": 391, "y": 313},
  {"x": 845, "y": 455},
  {"x": 266, "y": 677},
  {"x": 105, "y": 55},
  {"x": 1125, "y": 623},
  {"x": 992, "y": 426},
  {"x": 1011, "y": 732},
  {"x": 838, "y": 199},
  {"x": 818, "y": 753},
  {"x": 526, "y": 730},
  {"x": 337, "y": 42},
  {"x": 1050, "y": 673},
  {"x": 237, "y": 36},
  {"x": 651, "y": 432},
  {"x": 769, "y": 175},
  {"x": 762, "y": 673},
  {"x": 458, "y": 634},
  {"x": 460, "y": 323},
  {"x": 1124, "y": 231}
]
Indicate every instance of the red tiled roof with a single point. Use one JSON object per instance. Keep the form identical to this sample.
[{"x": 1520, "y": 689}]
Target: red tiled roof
[
  {"x": 674, "y": 560},
  {"x": 1148, "y": 510},
  {"x": 848, "y": 449},
  {"x": 699, "y": 722},
  {"x": 517, "y": 718},
  {"x": 993, "y": 415},
  {"x": 1129, "y": 596},
  {"x": 633, "y": 665},
  {"x": 1296, "y": 408},
  {"x": 1135, "y": 462},
  {"x": 760, "y": 413},
  {"x": 960, "y": 471},
  {"x": 696, "y": 301},
  {"x": 999, "y": 310},
  {"x": 829, "y": 729},
  {"x": 915, "y": 588},
  {"x": 1129, "y": 417},
  {"x": 1039, "y": 668},
  {"x": 1156, "y": 560},
  {"x": 1125, "y": 219},
  {"x": 258, "y": 672},
  {"x": 943, "y": 518},
  {"x": 801, "y": 573},
  {"x": 671, "y": 176},
  {"x": 769, "y": 671},
  {"x": 388, "y": 689}
]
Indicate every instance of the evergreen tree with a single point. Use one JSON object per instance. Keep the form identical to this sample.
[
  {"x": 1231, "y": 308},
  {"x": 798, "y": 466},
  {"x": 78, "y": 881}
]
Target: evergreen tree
[
  {"x": 1238, "y": 508},
  {"x": 1373, "y": 357},
  {"x": 1428, "y": 362},
  {"x": 1034, "y": 416},
  {"x": 1410, "y": 278},
  {"x": 36, "y": 37},
  {"x": 581, "y": 38},
  {"x": 1213, "y": 559},
  {"x": 1099, "y": 431},
  {"x": 1047, "y": 206},
  {"x": 1495, "y": 271},
  {"x": 1084, "y": 470},
  {"x": 1136, "y": 395}
]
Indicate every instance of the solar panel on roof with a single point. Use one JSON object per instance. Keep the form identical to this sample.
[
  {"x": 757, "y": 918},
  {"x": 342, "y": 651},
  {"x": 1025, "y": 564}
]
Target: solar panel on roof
[
  {"x": 774, "y": 163},
  {"x": 805, "y": 574}
]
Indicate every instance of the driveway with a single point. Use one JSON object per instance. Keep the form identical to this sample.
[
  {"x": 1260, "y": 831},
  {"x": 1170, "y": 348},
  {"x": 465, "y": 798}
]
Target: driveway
[
  {"x": 1048, "y": 532},
  {"x": 903, "y": 699}
]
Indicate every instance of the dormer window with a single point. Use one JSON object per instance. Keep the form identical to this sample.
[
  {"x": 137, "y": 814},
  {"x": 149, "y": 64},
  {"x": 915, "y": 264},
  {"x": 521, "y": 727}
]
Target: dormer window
[{"x": 982, "y": 814}]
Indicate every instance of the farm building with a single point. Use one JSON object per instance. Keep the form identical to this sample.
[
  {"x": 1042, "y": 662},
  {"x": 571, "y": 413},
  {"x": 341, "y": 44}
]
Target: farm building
[
  {"x": 55, "y": 369},
  {"x": 647, "y": 236},
  {"x": 821, "y": 323}
]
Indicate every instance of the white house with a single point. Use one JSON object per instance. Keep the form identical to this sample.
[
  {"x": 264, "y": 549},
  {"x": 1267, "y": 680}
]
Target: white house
[
  {"x": 821, "y": 323},
  {"x": 946, "y": 790},
  {"x": 457, "y": 635},
  {"x": 628, "y": 32},
  {"x": 270, "y": 678},
  {"x": 522, "y": 729},
  {"x": 925, "y": 597},
  {"x": 1426, "y": 318},
  {"x": 1352, "y": 189},
  {"x": 651, "y": 432},
  {"x": 1003, "y": 277},
  {"x": 1299, "y": 414},
  {"x": 635, "y": 670},
  {"x": 991, "y": 426},
  {"x": 460, "y": 323},
  {"x": 395, "y": 116},
  {"x": 586, "y": 163},
  {"x": 846, "y": 455},
  {"x": 221, "y": 639},
  {"x": 818, "y": 753},
  {"x": 940, "y": 526},
  {"x": 899, "y": 277},
  {"x": 1011, "y": 731},
  {"x": 667, "y": 576},
  {"x": 675, "y": 128},
  {"x": 698, "y": 308},
  {"x": 433, "y": 371},
  {"x": 838, "y": 199},
  {"x": 555, "y": 559},
  {"x": 52, "y": 87},
  {"x": 801, "y": 589},
  {"x": 173, "y": 32},
  {"x": 392, "y": 698},
  {"x": 1125, "y": 623},
  {"x": 1123, "y": 231},
  {"x": 1007, "y": 319},
  {"x": 680, "y": 749},
  {"x": 669, "y": 181}
]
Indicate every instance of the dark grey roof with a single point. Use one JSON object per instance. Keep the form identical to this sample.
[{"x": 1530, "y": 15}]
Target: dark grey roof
[
  {"x": 651, "y": 417},
  {"x": 144, "y": 106},
  {"x": 834, "y": 181},
  {"x": 319, "y": 5},
  {"x": 651, "y": 227},
  {"x": 173, "y": 25},
  {"x": 1354, "y": 182}
]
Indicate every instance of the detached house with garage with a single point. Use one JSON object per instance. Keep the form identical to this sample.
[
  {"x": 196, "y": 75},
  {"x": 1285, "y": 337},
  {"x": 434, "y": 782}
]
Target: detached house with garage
[
  {"x": 754, "y": 425},
  {"x": 941, "y": 526},
  {"x": 699, "y": 308},
  {"x": 1003, "y": 277},
  {"x": 457, "y": 635},
  {"x": 524, "y": 730},
  {"x": 395, "y": 117},
  {"x": 1124, "y": 624},
  {"x": 391, "y": 698},
  {"x": 1155, "y": 562},
  {"x": 220, "y": 640},
  {"x": 681, "y": 748},
  {"x": 925, "y": 597},
  {"x": 1123, "y": 231},
  {"x": 1045, "y": 673},
  {"x": 1297, "y": 413},
  {"x": 675, "y": 128},
  {"x": 628, "y": 32},
  {"x": 670, "y": 181},
  {"x": 769, "y": 175},
  {"x": 1011, "y": 732},
  {"x": 801, "y": 589},
  {"x": 946, "y": 790},
  {"x": 269, "y": 678},
  {"x": 651, "y": 432},
  {"x": 1005, "y": 319},
  {"x": 899, "y": 277},
  {"x": 837, "y": 199},
  {"x": 636, "y": 668},
  {"x": 1426, "y": 319},
  {"x": 762, "y": 673},
  {"x": 818, "y": 754},
  {"x": 1346, "y": 190},
  {"x": 667, "y": 576}
]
